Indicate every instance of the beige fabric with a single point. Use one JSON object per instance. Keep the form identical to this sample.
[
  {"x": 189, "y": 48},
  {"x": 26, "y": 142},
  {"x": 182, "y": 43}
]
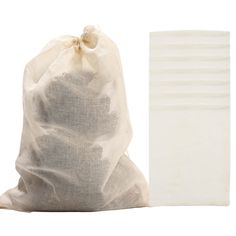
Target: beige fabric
[
  {"x": 76, "y": 131},
  {"x": 189, "y": 118}
]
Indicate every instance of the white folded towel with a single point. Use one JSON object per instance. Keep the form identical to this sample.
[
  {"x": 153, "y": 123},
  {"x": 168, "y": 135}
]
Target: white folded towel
[{"x": 189, "y": 118}]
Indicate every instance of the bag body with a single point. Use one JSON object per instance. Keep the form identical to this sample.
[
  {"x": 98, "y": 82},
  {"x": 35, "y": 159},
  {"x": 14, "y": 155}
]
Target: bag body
[{"x": 76, "y": 131}]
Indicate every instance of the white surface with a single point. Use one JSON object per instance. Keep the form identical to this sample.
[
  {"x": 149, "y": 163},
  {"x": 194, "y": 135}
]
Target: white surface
[
  {"x": 189, "y": 118},
  {"x": 27, "y": 25}
]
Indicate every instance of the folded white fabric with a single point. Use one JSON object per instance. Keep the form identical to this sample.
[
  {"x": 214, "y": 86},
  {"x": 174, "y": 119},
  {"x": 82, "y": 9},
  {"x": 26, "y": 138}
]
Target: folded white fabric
[{"x": 189, "y": 118}]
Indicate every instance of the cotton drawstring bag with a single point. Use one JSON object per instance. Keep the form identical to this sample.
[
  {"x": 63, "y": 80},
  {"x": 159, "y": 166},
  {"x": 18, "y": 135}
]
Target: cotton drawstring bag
[{"x": 76, "y": 131}]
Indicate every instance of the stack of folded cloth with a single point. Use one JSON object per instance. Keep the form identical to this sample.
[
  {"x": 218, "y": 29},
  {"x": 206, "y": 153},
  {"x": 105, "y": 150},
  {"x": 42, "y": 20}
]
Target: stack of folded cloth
[{"x": 189, "y": 118}]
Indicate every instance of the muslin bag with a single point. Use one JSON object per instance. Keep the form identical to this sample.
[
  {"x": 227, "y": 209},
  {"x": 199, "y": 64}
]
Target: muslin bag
[{"x": 76, "y": 131}]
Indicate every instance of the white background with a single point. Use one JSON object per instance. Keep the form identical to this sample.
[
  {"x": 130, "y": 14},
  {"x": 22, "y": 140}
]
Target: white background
[{"x": 26, "y": 26}]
